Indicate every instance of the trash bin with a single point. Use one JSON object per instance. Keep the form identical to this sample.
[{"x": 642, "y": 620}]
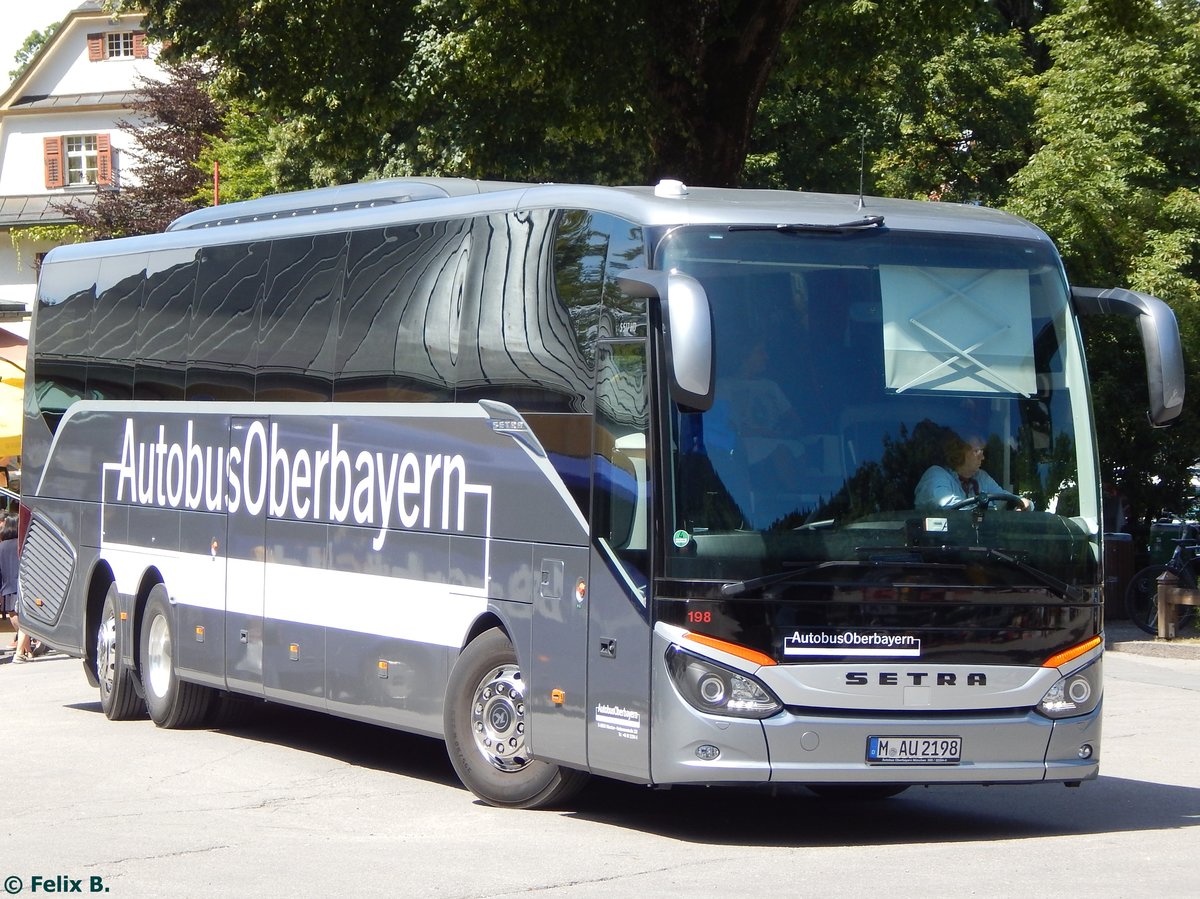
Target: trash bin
[
  {"x": 1118, "y": 571},
  {"x": 1163, "y": 534}
]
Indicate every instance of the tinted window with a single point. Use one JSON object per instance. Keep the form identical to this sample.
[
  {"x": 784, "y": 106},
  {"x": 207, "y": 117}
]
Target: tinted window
[
  {"x": 66, "y": 294},
  {"x": 394, "y": 340},
  {"x": 298, "y": 334},
  {"x": 163, "y": 321},
  {"x": 526, "y": 331},
  {"x": 114, "y": 327},
  {"x": 223, "y": 336}
]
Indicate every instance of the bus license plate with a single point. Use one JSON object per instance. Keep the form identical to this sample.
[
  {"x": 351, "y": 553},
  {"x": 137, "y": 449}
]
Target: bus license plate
[{"x": 914, "y": 750}]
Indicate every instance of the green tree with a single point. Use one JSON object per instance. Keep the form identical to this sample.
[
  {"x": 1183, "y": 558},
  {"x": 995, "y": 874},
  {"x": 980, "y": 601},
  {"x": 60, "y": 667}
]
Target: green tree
[
  {"x": 908, "y": 99},
  {"x": 29, "y": 49},
  {"x": 602, "y": 89},
  {"x": 172, "y": 119},
  {"x": 1114, "y": 183}
]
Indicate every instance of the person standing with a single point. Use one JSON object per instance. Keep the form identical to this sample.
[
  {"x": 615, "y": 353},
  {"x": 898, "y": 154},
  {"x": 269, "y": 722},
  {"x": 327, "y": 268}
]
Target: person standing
[{"x": 9, "y": 570}]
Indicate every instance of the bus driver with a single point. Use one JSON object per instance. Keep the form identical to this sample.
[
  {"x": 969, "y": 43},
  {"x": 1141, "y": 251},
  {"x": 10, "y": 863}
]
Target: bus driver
[{"x": 960, "y": 478}]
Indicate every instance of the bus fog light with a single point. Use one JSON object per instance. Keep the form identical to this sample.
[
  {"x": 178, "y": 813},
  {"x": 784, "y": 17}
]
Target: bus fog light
[
  {"x": 1085, "y": 751},
  {"x": 708, "y": 753}
]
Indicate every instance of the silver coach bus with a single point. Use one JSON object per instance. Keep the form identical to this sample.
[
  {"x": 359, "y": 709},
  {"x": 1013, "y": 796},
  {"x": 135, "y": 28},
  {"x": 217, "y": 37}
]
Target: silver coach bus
[{"x": 585, "y": 480}]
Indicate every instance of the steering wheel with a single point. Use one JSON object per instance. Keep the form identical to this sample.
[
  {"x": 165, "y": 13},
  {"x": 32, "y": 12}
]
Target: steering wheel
[{"x": 983, "y": 499}]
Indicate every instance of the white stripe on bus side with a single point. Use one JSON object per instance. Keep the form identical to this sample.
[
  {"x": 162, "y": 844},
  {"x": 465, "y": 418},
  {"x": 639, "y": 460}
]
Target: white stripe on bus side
[{"x": 438, "y": 614}]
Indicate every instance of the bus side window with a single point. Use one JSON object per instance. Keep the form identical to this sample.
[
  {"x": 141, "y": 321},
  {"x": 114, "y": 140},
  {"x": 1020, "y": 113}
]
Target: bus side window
[
  {"x": 223, "y": 337},
  {"x": 66, "y": 295},
  {"x": 622, "y": 486},
  {"x": 163, "y": 321},
  {"x": 393, "y": 341},
  {"x": 114, "y": 327},
  {"x": 297, "y": 335}
]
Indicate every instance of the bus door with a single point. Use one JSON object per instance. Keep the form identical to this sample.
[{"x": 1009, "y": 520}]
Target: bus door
[
  {"x": 245, "y": 547},
  {"x": 619, "y": 633},
  {"x": 559, "y": 667}
]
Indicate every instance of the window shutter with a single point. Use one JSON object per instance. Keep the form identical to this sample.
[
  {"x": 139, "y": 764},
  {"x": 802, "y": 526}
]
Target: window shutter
[
  {"x": 95, "y": 47},
  {"x": 141, "y": 49},
  {"x": 52, "y": 156},
  {"x": 104, "y": 170}
]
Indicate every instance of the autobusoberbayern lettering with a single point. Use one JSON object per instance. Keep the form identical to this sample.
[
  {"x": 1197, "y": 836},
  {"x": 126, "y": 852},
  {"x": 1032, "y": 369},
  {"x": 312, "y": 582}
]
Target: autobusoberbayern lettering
[{"x": 307, "y": 483}]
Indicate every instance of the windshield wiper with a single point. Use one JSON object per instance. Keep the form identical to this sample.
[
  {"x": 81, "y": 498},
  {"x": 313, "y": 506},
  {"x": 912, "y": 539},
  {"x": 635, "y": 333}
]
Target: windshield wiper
[
  {"x": 867, "y": 221},
  {"x": 738, "y": 588},
  {"x": 1066, "y": 591}
]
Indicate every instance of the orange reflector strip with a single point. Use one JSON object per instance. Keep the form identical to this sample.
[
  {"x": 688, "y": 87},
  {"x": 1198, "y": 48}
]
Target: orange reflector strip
[
  {"x": 742, "y": 652},
  {"x": 1061, "y": 658},
  {"x": 383, "y": 664}
]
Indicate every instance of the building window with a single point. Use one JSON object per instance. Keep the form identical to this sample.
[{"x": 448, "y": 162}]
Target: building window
[
  {"x": 78, "y": 160},
  {"x": 81, "y": 158},
  {"x": 117, "y": 45}
]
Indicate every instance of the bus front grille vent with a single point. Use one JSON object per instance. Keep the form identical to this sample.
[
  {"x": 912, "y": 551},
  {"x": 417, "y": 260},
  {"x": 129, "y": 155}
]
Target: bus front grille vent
[{"x": 47, "y": 563}]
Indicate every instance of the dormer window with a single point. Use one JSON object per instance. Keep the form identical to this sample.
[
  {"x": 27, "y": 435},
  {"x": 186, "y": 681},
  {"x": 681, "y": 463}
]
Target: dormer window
[
  {"x": 104, "y": 45},
  {"x": 118, "y": 44}
]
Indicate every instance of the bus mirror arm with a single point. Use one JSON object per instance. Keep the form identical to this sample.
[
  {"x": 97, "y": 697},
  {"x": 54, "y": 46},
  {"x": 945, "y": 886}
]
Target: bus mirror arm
[
  {"x": 687, "y": 330},
  {"x": 1160, "y": 342}
]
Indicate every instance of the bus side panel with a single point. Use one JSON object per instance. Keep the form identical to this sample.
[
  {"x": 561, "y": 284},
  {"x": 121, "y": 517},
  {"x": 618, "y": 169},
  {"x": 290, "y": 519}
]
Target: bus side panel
[
  {"x": 558, "y": 664},
  {"x": 392, "y": 624},
  {"x": 53, "y": 587},
  {"x": 296, "y": 610},
  {"x": 245, "y": 548},
  {"x": 195, "y": 581},
  {"x": 618, "y": 668}
]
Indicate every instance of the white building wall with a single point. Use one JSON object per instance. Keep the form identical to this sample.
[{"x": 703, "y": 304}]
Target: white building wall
[
  {"x": 21, "y": 148},
  {"x": 63, "y": 70},
  {"x": 18, "y": 275},
  {"x": 70, "y": 72}
]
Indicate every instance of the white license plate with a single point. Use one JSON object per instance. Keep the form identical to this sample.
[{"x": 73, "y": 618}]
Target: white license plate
[{"x": 914, "y": 750}]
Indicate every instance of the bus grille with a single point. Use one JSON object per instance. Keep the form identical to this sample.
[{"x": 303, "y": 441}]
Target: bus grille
[{"x": 47, "y": 563}]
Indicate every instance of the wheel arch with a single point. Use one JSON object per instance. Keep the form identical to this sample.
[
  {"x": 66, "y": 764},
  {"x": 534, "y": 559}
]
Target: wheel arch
[
  {"x": 483, "y": 624},
  {"x": 99, "y": 580}
]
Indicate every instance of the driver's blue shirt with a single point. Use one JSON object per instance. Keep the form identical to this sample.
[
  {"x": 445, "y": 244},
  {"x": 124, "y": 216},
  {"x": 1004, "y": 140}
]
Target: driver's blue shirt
[{"x": 940, "y": 487}]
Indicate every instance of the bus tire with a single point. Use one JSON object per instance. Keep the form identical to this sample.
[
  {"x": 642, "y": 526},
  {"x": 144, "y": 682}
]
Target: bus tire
[
  {"x": 172, "y": 702},
  {"x": 484, "y": 720},
  {"x": 118, "y": 691}
]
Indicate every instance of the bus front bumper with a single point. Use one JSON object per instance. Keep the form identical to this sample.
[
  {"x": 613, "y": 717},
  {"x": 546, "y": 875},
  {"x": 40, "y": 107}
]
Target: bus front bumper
[{"x": 812, "y": 747}]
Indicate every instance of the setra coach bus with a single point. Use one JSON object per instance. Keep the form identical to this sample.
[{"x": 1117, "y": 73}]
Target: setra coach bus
[{"x": 586, "y": 480}]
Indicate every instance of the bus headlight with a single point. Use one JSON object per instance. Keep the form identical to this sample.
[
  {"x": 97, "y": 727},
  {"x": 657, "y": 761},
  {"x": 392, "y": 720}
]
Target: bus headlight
[
  {"x": 1076, "y": 694},
  {"x": 718, "y": 690}
]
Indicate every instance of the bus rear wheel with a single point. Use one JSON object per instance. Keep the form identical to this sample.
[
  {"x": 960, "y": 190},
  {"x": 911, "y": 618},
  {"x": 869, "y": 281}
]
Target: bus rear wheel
[
  {"x": 171, "y": 702},
  {"x": 485, "y": 722},
  {"x": 118, "y": 693}
]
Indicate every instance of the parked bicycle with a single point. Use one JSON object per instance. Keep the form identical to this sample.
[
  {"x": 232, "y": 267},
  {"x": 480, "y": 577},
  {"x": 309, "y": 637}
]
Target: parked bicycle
[{"x": 1141, "y": 596}]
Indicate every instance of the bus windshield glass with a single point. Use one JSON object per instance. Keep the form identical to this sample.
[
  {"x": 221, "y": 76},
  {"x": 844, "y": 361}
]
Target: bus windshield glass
[{"x": 912, "y": 398}]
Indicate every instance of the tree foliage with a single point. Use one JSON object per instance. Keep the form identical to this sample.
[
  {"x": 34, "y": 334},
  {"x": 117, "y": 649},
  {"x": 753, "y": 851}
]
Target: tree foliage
[
  {"x": 1114, "y": 181},
  {"x": 29, "y": 49},
  {"x": 580, "y": 89},
  {"x": 1081, "y": 115},
  {"x": 172, "y": 120}
]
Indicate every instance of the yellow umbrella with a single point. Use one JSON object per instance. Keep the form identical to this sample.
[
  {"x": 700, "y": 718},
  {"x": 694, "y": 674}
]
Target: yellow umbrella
[{"x": 12, "y": 412}]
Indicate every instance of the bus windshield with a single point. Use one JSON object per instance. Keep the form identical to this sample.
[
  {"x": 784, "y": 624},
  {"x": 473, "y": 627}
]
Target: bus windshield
[{"x": 854, "y": 370}]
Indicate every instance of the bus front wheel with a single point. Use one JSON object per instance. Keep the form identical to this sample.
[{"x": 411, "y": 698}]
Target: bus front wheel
[
  {"x": 118, "y": 694},
  {"x": 171, "y": 702},
  {"x": 485, "y": 720}
]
